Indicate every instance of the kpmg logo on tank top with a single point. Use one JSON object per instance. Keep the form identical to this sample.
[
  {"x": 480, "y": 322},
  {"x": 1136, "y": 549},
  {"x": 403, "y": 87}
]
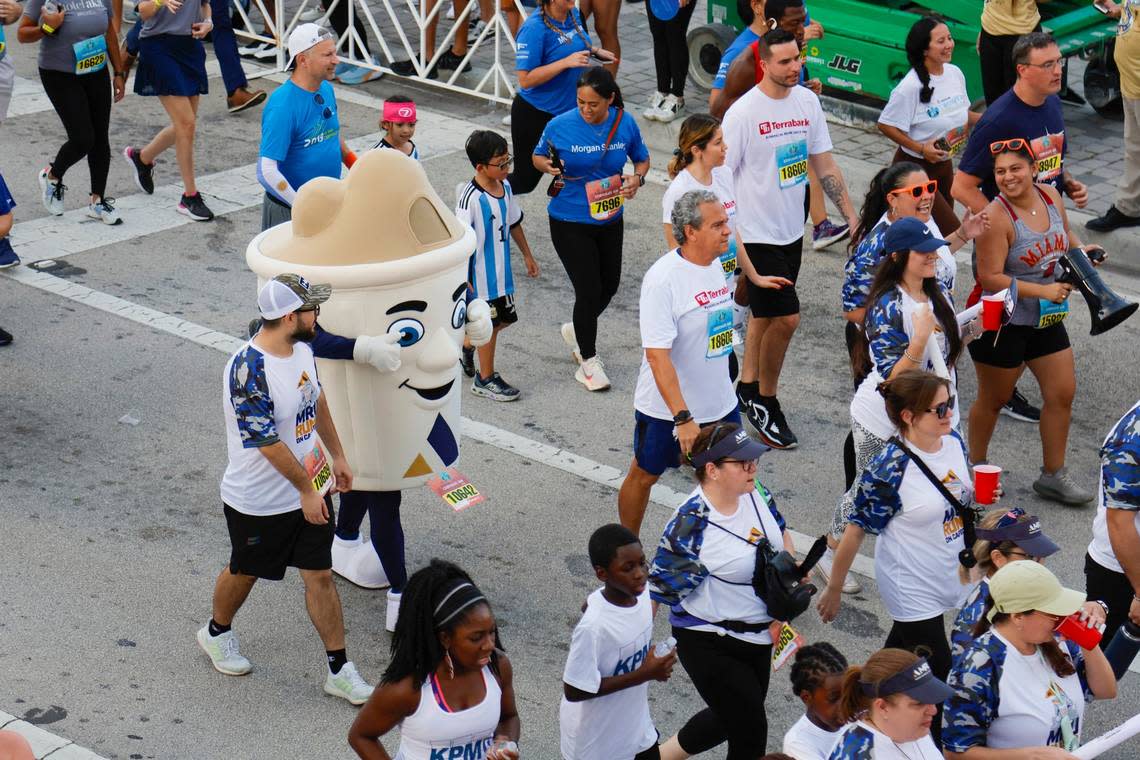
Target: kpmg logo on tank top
[
  {"x": 473, "y": 749},
  {"x": 768, "y": 127}
]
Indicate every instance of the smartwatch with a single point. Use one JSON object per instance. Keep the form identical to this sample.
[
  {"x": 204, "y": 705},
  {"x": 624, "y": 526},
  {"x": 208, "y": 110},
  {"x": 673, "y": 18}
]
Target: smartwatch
[
  {"x": 681, "y": 417},
  {"x": 641, "y": 179}
]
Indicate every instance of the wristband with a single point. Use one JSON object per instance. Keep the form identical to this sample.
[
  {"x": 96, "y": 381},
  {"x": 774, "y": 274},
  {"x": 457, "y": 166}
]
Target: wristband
[
  {"x": 158, "y": 3},
  {"x": 1103, "y": 606},
  {"x": 47, "y": 29},
  {"x": 641, "y": 179},
  {"x": 349, "y": 159}
]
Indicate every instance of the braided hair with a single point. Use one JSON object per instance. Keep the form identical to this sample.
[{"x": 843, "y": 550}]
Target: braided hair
[
  {"x": 813, "y": 664},
  {"x": 917, "y": 42},
  {"x": 438, "y": 598},
  {"x": 875, "y": 203}
]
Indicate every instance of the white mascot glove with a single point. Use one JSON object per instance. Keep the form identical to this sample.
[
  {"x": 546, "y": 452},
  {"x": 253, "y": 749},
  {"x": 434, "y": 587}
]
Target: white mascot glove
[
  {"x": 381, "y": 351},
  {"x": 479, "y": 327}
]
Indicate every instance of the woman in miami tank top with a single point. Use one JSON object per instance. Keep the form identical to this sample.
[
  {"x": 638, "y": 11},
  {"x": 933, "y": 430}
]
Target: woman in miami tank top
[
  {"x": 449, "y": 687},
  {"x": 1029, "y": 233}
]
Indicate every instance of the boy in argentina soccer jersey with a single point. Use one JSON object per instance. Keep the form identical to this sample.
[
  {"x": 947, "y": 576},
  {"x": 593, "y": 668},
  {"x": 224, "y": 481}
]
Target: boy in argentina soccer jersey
[
  {"x": 487, "y": 204},
  {"x": 605, "y": 686}
]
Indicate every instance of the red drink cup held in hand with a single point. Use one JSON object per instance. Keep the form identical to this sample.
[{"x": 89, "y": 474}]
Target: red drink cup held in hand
[
  {"x": 992, "y": 308},
  {"x": 1084, "y": 636},
  {"x": 985, "y": 482}
]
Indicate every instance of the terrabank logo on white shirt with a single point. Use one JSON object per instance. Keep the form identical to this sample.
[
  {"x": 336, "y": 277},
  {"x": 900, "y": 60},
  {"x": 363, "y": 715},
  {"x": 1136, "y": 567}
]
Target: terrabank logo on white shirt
[
  {"x": 768, "y": 127},
  {"x": 705, "y": 297}
]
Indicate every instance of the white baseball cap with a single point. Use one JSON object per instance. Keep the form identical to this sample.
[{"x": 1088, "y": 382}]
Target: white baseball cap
[
  {"x": 286, "y": 293},
  {"x": 302, "y": 38}
]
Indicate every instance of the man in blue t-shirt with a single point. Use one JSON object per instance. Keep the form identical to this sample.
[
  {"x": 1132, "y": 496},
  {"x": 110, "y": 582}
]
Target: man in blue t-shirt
[
  {"x": 300, "y": 131},
  {"x": 1030, "y": 110}
]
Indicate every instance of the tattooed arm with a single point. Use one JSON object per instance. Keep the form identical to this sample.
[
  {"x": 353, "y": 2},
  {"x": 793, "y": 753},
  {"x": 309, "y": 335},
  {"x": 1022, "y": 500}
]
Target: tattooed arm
[{"x": 831, "y": 179}]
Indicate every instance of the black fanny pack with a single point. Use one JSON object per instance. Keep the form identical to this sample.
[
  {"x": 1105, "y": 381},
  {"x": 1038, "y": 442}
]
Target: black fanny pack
[{"x": 777, "y": 580}]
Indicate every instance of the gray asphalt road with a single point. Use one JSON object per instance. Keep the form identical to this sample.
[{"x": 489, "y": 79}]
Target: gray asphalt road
[{"x": 112, "y": 532}]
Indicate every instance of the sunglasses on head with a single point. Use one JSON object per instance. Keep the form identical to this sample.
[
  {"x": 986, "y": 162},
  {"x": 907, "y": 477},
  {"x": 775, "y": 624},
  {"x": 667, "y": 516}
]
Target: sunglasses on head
[
  {"x": 1013, "y": 144},
  {"x": 944, "y": 408},
  {"x": 930, "y": 187}
]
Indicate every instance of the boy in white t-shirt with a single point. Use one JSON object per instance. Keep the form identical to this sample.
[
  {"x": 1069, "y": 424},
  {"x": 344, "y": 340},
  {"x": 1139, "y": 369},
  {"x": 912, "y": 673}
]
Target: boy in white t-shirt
[
  {"x": 487, "y": 204},
  {"x": 605, "y": 703}
]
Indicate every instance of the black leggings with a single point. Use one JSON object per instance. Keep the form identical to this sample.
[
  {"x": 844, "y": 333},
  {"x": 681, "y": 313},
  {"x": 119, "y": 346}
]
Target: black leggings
[
  {"x": 1113, "y": 589},
  {"x": 851, "y": 335},
  {"x": 670, "y": 49},
  {"x": 926, "y": 638},
  {"x": 83, "y": 104},
  {"x": 339, "y": 21},
  {"x": 527, "y": 123},
  {"x": 998, "y": 70},
  {"x": 385, "y": 530},
  {"x": 591, "y": 255},
  {"x": 732, "y": 678}
]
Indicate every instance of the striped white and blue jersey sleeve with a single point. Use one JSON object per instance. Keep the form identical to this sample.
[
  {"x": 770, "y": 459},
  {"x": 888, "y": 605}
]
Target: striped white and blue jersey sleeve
[{"x": 489, "y": 272}]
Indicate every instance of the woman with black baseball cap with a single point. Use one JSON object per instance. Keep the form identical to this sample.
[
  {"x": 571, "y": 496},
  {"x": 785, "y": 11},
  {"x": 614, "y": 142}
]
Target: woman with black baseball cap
[
  {"x": 1020, "y": 685},
  {"x": 1003, "y": 536},
  {"x": 703, "y": 573},
  {"x": 890, "y": 704}
]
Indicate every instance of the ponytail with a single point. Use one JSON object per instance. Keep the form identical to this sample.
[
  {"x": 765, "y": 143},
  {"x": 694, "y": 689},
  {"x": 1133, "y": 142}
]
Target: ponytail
[
  {"x": 601, "y": 81},
  {"x": 880, "y": 666},
  {"x": 917, "y": 43},
  {"x": 696, "y": 132}
]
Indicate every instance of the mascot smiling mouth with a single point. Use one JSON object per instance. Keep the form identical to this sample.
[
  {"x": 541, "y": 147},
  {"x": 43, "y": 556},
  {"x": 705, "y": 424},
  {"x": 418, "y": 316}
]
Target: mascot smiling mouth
[{"x": 430, "y": 394}]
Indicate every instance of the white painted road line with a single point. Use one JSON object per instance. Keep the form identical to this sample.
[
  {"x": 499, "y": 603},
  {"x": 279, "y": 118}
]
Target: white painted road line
[
  {"x": 526, "y": 448},
  {"x": 44, "y": 743}
]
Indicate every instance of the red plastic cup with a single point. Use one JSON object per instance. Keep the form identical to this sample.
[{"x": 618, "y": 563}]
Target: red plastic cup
[
  {"x": 1084, "y": 636},
  {"x": 992, "y": 308},
  {"x": 985, "y": 482}
]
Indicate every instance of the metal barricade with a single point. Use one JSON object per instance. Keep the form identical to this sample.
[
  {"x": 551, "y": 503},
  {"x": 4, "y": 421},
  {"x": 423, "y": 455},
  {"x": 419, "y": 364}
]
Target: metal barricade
[{"x": 496, "y": 83}]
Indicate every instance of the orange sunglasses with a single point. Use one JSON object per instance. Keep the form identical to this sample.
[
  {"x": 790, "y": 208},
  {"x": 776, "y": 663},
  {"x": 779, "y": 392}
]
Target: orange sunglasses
[
  {"x": 1013, "y": 144},
  {"x": 930, "y": 187}
]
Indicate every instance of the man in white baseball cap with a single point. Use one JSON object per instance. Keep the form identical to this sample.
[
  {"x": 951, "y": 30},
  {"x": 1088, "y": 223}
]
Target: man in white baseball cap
[
  {"x": 300, "y": 128},
  {"x": 284, "y": 461}
]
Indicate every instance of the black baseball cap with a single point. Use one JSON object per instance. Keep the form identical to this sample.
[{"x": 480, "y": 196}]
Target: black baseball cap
[{"x": 1027, "y": 534}]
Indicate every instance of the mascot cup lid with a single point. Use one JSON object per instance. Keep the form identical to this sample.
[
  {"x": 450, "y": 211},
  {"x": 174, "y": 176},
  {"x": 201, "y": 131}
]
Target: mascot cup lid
[{"x": 380, "y": 225}]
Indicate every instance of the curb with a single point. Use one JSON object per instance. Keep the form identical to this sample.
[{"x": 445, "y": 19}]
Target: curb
[{"x": 44, "y": 743}]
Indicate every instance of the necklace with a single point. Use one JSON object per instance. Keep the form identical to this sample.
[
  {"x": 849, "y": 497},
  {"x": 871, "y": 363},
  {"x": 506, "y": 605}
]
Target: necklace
[
  {"x": 560, "y": 33},
  {"x": 921, "y": 756}
]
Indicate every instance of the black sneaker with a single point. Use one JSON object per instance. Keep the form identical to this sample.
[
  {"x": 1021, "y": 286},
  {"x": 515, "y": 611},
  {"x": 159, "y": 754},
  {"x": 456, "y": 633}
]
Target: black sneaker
[
  {"x": 451, "y": 61},
  {"x": 194, "y": 207},
  {"x": 408, "y": 69},
  {"x": 768, "y": 420},
  {"x": 144, "y": 173},
  {"x": 468, "y": 361},
  {"x": 1113, "y": 219},
  {"x": 5, "y": 337},
  {"x": 494, "y": 387},
  {"x": 1019, "y": 408}
]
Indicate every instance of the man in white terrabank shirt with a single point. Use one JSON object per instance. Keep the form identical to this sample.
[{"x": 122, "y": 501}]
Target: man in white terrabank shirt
[
  {"x": 772, "y": 133},
  {"x": 686, "y": 331},
  {"x": 284, "y": 457}
]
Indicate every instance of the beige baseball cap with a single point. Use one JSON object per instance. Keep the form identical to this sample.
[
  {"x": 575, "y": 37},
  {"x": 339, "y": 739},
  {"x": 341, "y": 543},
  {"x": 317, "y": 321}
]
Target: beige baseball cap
[{"x": 1027, "y": 586}]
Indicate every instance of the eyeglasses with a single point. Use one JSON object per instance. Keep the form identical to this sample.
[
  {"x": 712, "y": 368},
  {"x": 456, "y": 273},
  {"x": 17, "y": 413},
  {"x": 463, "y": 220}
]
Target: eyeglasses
[
  {"x": 1014, "y": 144},
  {"x": 1055, "y": 619},
  {"x": 944, "y": 408},
  {"x": 1018, "y": 553},
  {"x": 1048, "y": 66},
  {"x": 930, "y": 187},
  {"x": 748, "y": 465},
  {"x": 502, "y": 164},
  {"x": 315, "y": 309}
]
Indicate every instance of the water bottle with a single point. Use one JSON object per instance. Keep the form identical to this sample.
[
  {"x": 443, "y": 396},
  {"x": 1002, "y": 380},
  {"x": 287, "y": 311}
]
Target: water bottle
[
  {"x": 664, "y": 647},
  {"x": 1123, "y": 648}
]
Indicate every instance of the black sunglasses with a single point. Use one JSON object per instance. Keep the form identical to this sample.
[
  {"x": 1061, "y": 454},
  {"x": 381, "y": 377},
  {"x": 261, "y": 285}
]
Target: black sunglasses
[
  {"x": 944, "y": 408},
  {"x": 315, "y": 309}
]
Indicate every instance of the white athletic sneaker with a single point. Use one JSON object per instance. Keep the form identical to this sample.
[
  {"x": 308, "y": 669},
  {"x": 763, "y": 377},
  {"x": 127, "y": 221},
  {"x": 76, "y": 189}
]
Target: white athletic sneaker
[
  {"x": 572, "y": 341},
  {"x": 347, "y": 684},
  {"x": 670, "y": 109},
  {"x": 357, "y": 562},
  {"x": 52, "y": 192},
  {"x": 506, "y": 120},
  {"x": 104, "y": 211},
  {"x": 592, "y": 374},
  {"x": 823, "y": 570},
  {"x": 392, "y": 613},
  {"x": 310, "y": 15},
  {"x": 223, "y": 652},
  {"x": 656, "y": 100}
]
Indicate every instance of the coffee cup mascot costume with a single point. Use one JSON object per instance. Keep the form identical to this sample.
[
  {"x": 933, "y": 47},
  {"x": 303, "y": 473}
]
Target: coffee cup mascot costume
[{"x": 396, "y": 257}]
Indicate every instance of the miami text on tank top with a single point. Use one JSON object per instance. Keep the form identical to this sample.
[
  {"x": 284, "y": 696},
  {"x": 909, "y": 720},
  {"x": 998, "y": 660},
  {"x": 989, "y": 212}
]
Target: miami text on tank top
[
  {"x": 435, "y": 732},
  {"x": 1033, "y": 255}
]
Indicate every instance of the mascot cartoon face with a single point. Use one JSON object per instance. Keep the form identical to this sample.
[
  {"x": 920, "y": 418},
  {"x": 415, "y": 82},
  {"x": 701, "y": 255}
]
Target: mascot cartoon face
[{"x": 396, "y": 258}]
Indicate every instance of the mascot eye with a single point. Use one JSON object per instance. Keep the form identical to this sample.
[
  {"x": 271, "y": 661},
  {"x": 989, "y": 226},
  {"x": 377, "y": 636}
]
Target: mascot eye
[
  {"x": 459, "y": 315},
  {"x": 409, "y": 330}
]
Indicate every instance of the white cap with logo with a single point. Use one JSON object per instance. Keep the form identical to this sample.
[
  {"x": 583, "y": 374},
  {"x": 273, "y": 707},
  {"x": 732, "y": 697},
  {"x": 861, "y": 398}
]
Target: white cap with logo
[
  {"x": 304, "y": 37},
  {"x": 287, "y": 293}
]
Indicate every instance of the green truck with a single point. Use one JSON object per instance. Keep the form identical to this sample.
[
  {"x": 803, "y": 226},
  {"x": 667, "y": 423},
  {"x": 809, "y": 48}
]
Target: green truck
[{"x": 862, "y": 54}]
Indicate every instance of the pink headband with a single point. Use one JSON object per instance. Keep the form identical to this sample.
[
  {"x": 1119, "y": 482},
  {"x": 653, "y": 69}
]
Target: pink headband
[{"x": 400, "y": 112}]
